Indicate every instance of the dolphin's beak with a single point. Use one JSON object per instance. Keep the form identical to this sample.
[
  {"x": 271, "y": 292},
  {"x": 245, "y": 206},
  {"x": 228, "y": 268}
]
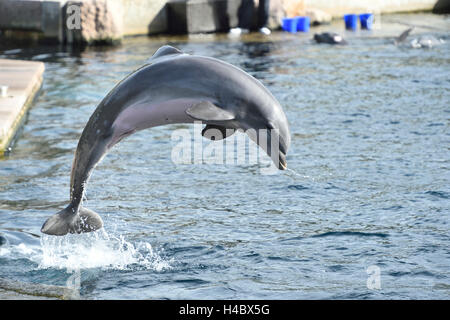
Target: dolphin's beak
[{"x": 283, "y": 164}]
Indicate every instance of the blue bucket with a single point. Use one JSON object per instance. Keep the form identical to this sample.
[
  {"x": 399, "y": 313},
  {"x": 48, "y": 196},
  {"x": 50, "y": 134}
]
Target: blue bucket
[
  {"x": 290, "y": 24},
  {"x": 351, "y": 21},
  {"x": 303, "y": 24},
  {"x": 366, "y": 20}
]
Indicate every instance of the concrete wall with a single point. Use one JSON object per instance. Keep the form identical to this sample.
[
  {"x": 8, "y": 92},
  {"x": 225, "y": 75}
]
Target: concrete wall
[
  {"x": 196, "y": 16},
  {"x": 338, "y": 8},
  {"x": 31, "y": 15},
  {"x": 47, "y": 18},
  {"x": 143, "y": 16}
]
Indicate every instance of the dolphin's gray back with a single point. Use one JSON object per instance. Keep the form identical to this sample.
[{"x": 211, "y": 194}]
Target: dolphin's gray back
[{"x": 198, "y": 77}]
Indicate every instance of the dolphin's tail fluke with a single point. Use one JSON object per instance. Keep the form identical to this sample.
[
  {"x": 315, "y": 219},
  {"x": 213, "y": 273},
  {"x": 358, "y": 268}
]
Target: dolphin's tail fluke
[{"x": 70, "y": 221}]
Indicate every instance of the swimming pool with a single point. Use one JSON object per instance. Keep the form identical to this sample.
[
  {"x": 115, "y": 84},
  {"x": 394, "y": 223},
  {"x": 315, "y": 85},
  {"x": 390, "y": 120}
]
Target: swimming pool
[{"x": 369, "y": 184}]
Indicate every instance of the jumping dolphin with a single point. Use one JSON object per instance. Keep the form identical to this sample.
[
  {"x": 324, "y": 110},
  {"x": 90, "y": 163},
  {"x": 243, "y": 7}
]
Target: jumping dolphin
[{"x": 172, "y": 87}]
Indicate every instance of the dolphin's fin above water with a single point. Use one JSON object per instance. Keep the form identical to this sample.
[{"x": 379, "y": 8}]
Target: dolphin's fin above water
[
  {"x": 403, "y": 36},
  {"x": 164, "y": 51},
  {"x": 69, "y": 221},
  {"x": 207, "y": 111}
]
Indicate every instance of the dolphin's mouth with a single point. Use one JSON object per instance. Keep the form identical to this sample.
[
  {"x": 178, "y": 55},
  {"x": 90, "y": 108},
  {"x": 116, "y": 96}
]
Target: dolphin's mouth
[{"x": 282, "y": 162}]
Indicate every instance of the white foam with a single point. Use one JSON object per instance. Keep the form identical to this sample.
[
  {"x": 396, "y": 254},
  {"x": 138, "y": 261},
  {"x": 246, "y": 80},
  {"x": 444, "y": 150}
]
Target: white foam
[
  {"x": 98, "y": 250},
  {"x": 24, "y": 249},
  {"x": 297, "y": 176},
  {"x": 4, "y": 251},
  {"x": 89, "y": 250}
]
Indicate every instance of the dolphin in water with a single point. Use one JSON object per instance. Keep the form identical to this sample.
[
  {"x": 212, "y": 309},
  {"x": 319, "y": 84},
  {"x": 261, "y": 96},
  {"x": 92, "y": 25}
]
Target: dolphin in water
[
  {"x": 173, "y": 87},
  {"x": 426, "y": 41},
  {"x": 330, "y": 38},
  {"x": 3, "y": 240},
  {"x": 402, "y": 37}
]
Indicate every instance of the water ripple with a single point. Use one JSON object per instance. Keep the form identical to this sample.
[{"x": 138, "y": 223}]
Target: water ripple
[{"x": 350, "y": 233}]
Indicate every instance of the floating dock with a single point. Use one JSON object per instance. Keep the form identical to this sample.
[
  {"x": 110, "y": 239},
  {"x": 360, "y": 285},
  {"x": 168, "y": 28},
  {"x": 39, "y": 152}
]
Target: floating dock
[{"x": 19, "y": 83}]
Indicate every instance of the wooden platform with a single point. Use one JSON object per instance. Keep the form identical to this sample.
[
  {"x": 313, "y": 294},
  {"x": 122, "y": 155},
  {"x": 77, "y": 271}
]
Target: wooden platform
[{"x": 24, "y": 79}]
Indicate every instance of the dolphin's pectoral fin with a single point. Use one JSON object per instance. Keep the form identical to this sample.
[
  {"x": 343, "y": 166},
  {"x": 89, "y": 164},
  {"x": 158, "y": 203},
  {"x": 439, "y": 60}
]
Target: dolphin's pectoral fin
[
  {"x": 207, "y": 111},
  {"x": 214, "y": 132},
  {"x": 68, "y": 221},
  {"x": 123, "y": 135}
]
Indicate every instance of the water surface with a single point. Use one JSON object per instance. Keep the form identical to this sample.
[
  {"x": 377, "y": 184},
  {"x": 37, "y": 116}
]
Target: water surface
[{"x": 368, "y": 185}]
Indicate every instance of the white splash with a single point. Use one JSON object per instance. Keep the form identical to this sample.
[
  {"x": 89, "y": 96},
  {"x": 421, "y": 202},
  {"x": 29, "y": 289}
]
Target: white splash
[
  {"x": 89, "y": 250},
  {"x": 98, "y": 250},
  {"x": 324, "y": 177},
  {"x": 295, "y": 175}
]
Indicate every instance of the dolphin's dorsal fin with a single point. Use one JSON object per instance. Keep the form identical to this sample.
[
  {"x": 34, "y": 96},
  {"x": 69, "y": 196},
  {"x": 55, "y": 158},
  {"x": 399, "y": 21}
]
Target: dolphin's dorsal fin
[
  {"x": 404, "y": 35},
  {"x": 164, "y": 51},
  {"x": 207, "y": 111}
]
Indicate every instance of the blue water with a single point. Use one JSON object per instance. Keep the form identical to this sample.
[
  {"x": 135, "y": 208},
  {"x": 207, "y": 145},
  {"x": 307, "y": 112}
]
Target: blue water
[{"x": 368, "y": 183}]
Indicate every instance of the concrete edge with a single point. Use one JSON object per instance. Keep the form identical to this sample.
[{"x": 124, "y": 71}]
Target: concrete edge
[
  {"x": 21, "y": 116},
  {"x": 27, "y": 290}
]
